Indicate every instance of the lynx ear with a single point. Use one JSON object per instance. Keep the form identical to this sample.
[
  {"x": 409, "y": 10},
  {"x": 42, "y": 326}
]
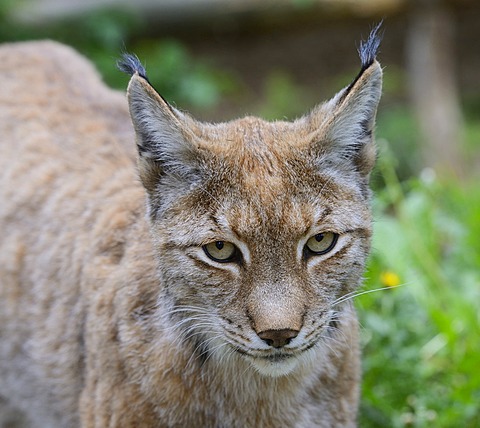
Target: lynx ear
[
  {"x": 348, "y": 119},
  {"x": 164, "y": 140}
]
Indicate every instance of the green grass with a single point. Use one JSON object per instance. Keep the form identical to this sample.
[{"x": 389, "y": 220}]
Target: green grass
[{"x": 421, "y": 341}]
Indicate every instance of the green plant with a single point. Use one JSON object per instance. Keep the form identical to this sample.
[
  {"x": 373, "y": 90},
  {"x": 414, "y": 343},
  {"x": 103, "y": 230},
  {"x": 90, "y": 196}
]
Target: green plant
[
  {"x": 102, "y": 35},
  {"x": 421, "y": 347},
  {"x": 180, "y": 79},
  {"x": 283, "y": 97}
]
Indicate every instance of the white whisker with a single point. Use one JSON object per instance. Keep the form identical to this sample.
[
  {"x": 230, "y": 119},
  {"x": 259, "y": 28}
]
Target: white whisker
[{"x": 353, "y": 295}]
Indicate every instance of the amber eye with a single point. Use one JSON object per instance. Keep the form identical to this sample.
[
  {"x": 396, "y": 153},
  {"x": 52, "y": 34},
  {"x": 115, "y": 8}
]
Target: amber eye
[
  {"x": 321, "y": 243},
  {"x": 220, "y": 251}
]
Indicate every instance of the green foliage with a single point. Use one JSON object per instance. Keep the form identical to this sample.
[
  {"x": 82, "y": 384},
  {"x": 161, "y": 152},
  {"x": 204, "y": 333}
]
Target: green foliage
[
  {"x": 397, "y": 125},
  {"x": 6, "y": 7},
  {"x": 283, "y": 98},
  {"x": 472, "y": 128},
  {"x": 104, "y": 34},
  {"x": 421, "y": 341},
  {"x": 180, "y": 78},
  {"x": 103, "y": 29}
]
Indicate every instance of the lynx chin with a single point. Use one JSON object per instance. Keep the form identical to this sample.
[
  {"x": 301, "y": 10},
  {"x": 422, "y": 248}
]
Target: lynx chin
[{"x": 199, "y": 279}]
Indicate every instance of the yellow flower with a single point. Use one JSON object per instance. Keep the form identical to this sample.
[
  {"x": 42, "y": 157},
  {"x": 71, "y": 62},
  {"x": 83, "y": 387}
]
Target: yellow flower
[{"x": 390, "y": 279}]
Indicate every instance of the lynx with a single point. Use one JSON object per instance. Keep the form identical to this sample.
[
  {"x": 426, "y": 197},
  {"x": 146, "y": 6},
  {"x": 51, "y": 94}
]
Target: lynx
[{"x": 202, "y": 280}]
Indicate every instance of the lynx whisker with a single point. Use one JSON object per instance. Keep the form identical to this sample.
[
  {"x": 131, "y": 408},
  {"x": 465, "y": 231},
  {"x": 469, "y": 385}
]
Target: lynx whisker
[
  {"x": 195, "y": 330},
  {"x": 353, "y": 295},
  {"x": 338, "y": 336},
  {"x": 207, "y": 350},
  {"x": 190, "y": 320},
  {"x": 214, "y": 350},
  {"x": 189, "y": 309},
  {"x": 327, "y": 342},
  {"x": 188, "y": 328}
]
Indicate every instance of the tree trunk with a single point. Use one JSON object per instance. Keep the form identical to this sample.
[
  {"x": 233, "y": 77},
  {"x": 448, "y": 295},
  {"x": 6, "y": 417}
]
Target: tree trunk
[{"x": 431, "y": 67}]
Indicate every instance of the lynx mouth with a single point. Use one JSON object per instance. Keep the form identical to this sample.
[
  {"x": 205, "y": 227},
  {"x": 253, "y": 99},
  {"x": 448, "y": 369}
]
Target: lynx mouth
[
  {"x": 276, "y": 358},
  {"x": 272, "y": 365}
]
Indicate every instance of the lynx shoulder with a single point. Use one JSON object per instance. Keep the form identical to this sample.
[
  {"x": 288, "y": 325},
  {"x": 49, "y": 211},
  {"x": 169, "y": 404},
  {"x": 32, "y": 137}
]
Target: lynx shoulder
[{"x": 201, "y": 281}]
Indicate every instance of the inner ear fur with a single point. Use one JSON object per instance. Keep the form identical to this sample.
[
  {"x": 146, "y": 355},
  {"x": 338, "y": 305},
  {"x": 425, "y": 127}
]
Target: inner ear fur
[
  {"x": 343, "y": 127},
  {"x": 353, "y": 121},
  {"x": 164, "y": 140}
]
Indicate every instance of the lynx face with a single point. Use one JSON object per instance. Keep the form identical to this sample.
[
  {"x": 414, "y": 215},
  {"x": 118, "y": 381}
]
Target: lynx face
[{"x": 260, "y": 228}]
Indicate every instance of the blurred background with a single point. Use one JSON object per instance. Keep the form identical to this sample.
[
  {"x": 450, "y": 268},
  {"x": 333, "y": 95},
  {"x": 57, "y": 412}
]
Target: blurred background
[{"x": 221, "y": 59}]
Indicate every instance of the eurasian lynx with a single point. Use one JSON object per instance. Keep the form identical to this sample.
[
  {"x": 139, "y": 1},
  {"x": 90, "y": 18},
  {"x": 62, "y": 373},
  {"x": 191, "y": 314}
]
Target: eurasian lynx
[{"x": 211, "y": 292}]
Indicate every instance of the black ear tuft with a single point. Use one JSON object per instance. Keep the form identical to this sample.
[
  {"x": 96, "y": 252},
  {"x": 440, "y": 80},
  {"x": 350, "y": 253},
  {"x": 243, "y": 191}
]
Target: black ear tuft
[
  {"x": 368, "y": 49},
  {"x": 130, "y": 64}
]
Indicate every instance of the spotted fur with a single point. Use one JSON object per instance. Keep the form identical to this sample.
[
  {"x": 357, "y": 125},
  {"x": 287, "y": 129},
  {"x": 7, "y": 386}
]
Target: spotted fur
[{"x": 112, "y": 312}]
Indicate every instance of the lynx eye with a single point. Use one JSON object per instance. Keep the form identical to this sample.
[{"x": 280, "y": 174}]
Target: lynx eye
[
  {"x": 220, "y": 251},
  {"x": 321, "y": 243}
]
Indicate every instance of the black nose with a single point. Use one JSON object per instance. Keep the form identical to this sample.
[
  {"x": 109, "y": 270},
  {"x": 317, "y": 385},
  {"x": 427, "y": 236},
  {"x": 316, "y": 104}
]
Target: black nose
[{"x": 278, "y": 338}]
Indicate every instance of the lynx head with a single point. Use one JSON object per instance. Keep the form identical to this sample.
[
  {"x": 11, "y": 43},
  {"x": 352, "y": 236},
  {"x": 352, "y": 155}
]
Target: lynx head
[{"x": 260, "y": 227}]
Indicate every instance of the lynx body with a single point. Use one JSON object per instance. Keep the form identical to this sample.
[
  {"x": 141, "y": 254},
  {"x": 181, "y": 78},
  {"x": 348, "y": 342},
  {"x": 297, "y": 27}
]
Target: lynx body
[{"x": 199, "y": 282}]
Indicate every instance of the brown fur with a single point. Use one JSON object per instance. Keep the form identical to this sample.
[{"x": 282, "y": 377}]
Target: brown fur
[{"x": 111, "y": 314}]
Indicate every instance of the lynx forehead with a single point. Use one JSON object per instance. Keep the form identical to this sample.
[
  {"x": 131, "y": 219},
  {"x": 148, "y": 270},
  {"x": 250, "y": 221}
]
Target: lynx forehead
[{"x": 215, "y": 290}]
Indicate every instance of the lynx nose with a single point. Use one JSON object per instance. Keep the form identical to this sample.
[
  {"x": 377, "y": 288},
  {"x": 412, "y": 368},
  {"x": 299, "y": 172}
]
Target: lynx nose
[{"x": 278, "y": 338}]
